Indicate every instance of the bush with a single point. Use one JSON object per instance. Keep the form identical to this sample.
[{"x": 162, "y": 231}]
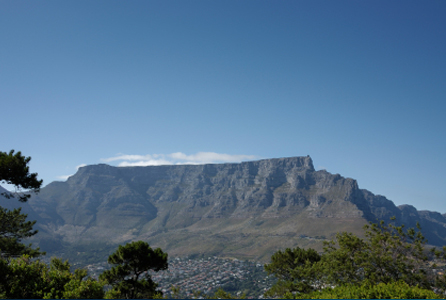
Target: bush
[
  {"x": 26, "y": 279},
  {"x": 394, "y": 290}
]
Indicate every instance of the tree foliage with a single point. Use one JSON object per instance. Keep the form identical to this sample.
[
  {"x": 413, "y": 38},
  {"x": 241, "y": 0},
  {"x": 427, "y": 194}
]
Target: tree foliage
[
  {"x": 14, "y": 228},
  {"x": 13, "y": 225},
  {"x": 293, "y": 269},
  {"x": 31, "y": 279},
  {"x": 14, "y": 170},
  {"x": 387, "y": 255},
  {"x": 129, "y": 277},
  {"x": 393, "y": 290}
]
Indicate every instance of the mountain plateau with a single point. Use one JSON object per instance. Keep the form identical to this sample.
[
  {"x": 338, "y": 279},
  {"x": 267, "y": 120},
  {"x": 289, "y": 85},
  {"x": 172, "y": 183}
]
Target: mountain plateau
[{"x": 247, "y": 210}]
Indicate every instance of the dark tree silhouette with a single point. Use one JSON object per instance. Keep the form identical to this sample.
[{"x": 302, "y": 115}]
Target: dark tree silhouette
[{"x": 129, "y": 277}]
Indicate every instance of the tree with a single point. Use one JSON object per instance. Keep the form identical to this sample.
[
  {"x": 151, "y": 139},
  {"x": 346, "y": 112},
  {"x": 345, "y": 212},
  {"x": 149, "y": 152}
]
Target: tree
[
  {"x": 14, "y": 228},
  {"x": 13, "y": 225},
  {"x": 129, "y": 277},
  {"x": 293, "y": 268},
  {"x": 31, "y": 279},
  {"x": 14, "y": 170},
  {"x": 388, "y": 254}
]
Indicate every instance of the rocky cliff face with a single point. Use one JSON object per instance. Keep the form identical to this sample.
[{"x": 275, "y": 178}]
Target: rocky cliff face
[{"x": 247, "y": 210}]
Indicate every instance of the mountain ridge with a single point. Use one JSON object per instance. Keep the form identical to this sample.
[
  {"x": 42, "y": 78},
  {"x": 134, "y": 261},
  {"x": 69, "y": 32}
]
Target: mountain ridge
[{"x": 249, "y": 209}]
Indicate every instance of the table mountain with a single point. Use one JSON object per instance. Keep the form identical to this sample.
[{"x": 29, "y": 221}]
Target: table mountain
[{"x": 246, "y": 210}]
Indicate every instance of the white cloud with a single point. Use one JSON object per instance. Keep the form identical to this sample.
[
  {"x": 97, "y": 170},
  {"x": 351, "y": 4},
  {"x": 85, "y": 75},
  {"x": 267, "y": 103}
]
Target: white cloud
[
  {"x": 65, "y": 177},
  {"x": 177, "y": 158},
  {"x": 128, "y": 157},
  {"x": 144, "y": 163},
  {"x": 210, "y": 157}
]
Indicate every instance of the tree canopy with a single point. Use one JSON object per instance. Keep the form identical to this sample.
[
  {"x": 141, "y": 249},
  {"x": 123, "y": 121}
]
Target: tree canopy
[
  {"x": 293, "y": 269},
  {"x": 129, "y": 276},
  {"x": 394, "y": 290},
  {"x": 32, "y": 279},
  {"x": 389, "y": 257},
  {"x": 14, "y": 170},
  {"x": 14, "y": 228}
]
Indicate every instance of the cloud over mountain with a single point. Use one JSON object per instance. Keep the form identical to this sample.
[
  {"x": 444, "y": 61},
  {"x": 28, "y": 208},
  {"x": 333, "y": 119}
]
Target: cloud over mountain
[
  {"x": 65, "y": 177},
  {"x": 177, "y": 158}
]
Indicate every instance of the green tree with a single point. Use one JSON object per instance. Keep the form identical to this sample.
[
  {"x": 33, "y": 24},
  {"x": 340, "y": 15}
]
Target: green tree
[
  {"x": 31, "y": 279},
  {"x": 386, "y": 255},
  {"x": 129, "y": 277},
  {"x": 14, "y": 228},
  {"x": 294, "y": 269},
  {"x": 14, "y": 170}
]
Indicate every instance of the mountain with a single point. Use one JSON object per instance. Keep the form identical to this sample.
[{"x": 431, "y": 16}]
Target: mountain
[{"x": 247, "y": 210}]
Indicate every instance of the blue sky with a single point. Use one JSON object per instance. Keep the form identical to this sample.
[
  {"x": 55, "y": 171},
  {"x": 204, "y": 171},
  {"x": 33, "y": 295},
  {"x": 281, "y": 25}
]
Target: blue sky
[{"x": 359, "y": 86}]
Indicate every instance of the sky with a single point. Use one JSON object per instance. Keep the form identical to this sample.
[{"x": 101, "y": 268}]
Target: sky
[{"x": 360, "y": 86}]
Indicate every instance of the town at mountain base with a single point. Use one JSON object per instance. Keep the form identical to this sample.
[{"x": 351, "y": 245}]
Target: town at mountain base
[{"x": 245, "y": 210}]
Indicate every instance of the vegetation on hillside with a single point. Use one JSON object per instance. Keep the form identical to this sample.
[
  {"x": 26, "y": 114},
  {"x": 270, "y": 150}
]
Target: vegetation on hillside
[
  {"x": 24, "y": 278},
  {"x": 389, "y": 259}
]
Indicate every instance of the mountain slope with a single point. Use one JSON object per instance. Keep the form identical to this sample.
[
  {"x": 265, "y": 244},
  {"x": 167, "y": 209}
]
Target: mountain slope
[{"x": 248, "y": 209}]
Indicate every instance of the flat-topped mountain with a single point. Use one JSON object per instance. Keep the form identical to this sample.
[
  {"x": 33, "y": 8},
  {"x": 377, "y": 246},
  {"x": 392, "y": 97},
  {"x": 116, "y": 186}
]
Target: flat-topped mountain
[{"x": 246, "y": 210}]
